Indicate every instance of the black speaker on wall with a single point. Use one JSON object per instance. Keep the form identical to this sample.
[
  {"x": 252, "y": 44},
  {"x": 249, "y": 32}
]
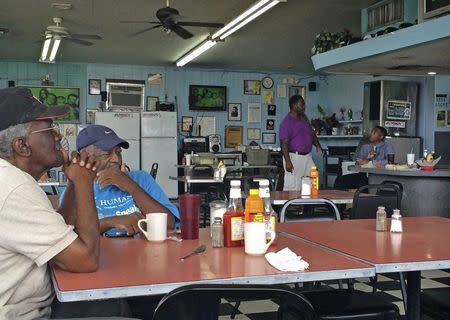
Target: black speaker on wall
[
  {"x": 312, "y": 86},
  {"x": 11, "y": 83},
  {"x": 104, "y": 96}
]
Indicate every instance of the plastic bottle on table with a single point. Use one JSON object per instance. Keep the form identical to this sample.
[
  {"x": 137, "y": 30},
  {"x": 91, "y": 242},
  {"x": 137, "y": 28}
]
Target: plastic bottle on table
[
  {"x": 253, "y": 206},
  {"x": 270, "y": 216},
  {"x": 233, "y": 219},
  {"x": 314, "y": 176}
]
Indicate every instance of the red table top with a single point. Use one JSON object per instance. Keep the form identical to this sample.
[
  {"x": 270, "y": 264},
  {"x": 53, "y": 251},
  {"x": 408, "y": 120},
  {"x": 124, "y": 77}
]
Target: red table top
[
  {"x": 424, "y": 240},
  {"x": 128, "y": 262}
]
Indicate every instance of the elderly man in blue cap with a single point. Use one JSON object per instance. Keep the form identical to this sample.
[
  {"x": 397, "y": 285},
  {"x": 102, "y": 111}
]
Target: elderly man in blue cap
[{"x": 121, "y": 197}]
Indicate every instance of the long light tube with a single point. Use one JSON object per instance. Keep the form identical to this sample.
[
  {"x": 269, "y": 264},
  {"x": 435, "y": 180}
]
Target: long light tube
[
  {"x": 250, "y": 18},
  {"x": 250, "y": 14},
  {"x": 195, "y": 53},
  {"x": 50, "y": 48},
  {"x": 56, "y": 43},
  {"x": 45, "y": 47},
  {"x": 241, "y": 17}
]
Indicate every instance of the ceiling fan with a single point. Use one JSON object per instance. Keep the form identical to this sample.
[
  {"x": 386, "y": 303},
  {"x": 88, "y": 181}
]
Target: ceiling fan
[
  {"x": 169, "y": 20},
  {"x": 57, "y": 30}
]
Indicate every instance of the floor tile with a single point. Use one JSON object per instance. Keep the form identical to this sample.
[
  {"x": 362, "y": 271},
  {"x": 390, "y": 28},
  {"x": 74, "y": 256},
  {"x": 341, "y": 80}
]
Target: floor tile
[
  {"x": 429, "y": 283},
  {"x": 435, "y": 274},
  {"x": 258, "y": 306}
]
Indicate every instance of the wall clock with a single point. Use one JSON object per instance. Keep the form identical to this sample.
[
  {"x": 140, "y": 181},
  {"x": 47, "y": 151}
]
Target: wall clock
[{"x": 267, "y": 82}]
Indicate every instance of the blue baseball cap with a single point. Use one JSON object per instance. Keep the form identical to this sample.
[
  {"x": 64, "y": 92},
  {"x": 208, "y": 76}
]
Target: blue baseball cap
[{"x": 100, "y": 136}]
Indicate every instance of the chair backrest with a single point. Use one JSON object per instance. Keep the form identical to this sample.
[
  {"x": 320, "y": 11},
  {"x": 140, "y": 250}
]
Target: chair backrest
[
  {"x": 154, "y": 170},
  {"x": 388, "y": 192},
  {"x": 331, "y": 212},
  {"x": 386, "y": 195},
  {"x": 202, "y": 301}
]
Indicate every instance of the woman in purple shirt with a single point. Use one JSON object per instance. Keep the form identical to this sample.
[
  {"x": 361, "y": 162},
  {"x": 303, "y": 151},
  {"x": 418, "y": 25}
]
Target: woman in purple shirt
[{"x": 297, "y": 138}]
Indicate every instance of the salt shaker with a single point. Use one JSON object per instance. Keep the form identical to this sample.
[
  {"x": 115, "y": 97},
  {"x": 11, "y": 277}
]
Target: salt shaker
[
  {"x": 396, "y": 221},
  {"x": 217, "y": 233},
  {"x": 381, "y": 221}
]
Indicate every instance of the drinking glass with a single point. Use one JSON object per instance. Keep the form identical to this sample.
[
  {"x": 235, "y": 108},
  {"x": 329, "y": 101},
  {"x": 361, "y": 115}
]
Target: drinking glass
[{"x": 189, "y": 215}]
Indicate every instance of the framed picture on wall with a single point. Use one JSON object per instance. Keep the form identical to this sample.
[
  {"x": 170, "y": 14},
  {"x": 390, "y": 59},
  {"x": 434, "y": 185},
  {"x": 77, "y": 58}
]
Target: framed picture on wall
[
  {"x": 269, "y": 137},
  {"x": 270, "y": 124},
  {"x": 95, "y": 86},
  {"x": 187, "y": 123},
  {"x": 253, "y": 133},
  {"x": 234, "y": 111},
  {"x": 151, "y": 103},
  {"x": 271, "y": 110},
  {"x": 252, "y": 87},
  {"x": 297, "y": 90},
  {"x": 233, "y": 136}
]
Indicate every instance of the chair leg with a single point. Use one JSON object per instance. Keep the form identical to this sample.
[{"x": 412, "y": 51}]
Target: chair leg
[
  {"x": 373, "y": 282},
  {"x": 403, "y": 288},
  {"x": 235, "y": 309}
]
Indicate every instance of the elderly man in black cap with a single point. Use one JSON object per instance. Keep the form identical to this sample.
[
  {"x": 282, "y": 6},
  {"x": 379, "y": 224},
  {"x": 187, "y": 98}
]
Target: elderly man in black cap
[{"x": 32, "y": 233}]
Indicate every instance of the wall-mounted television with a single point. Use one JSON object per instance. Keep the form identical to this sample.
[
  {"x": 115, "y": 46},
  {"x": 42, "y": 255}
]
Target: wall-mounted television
[
  {"x": 207, "y": 98},
  {"x": 51, "y": 96}
]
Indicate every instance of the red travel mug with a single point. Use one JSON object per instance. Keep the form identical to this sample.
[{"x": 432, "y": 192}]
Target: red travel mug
[{"x": 189, "y": 215}]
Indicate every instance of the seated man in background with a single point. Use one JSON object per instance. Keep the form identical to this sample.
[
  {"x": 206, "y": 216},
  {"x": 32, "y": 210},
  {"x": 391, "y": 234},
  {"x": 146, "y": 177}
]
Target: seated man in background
[
  {"x": 32, "y": 233},
  {"x": 121, "y": 197},
  {"x": 376, "y": 150}
]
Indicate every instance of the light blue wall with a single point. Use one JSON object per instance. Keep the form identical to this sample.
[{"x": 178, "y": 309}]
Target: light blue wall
[{"x": 332, "y": 93}]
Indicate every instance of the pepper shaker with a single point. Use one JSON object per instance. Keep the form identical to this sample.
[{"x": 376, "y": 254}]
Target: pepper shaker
[{"x": 217, "y": 233}]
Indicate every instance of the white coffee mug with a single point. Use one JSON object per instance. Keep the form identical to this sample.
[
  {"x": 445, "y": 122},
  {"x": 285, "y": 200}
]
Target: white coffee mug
[
  {"x": 156, "y": 226},
  {"x": 255, "y": 237},
  {"x": 410, "y": 158}
]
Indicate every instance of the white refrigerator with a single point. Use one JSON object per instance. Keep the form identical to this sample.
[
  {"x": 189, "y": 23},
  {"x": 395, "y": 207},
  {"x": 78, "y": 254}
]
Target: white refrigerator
[
  {"x": 127, "y": 126},
  {"x": 159, "y": 144}
]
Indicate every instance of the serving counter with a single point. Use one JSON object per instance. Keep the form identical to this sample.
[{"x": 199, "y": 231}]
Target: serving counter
[{"x": 425, "y": 193}]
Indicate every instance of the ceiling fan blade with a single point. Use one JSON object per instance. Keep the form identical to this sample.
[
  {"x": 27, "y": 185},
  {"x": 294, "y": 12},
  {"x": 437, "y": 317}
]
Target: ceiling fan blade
[
  {"x": 200, "y": 24},
  {"x": 86, "y": 36},
  {"x": 182, "y": 32},
  {"x": 79, "y": 41},
  {"x": 145, "y": 30},
  {"x": 140, "y": 21}
]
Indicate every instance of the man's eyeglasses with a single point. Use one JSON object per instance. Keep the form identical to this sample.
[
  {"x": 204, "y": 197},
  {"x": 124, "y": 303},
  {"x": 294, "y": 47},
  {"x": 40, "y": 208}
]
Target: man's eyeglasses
[{"x": 54, "y": 127}]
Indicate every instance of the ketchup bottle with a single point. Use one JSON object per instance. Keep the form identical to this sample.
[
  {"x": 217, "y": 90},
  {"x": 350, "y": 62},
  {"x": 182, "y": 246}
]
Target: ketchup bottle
[{"x": 233, "y": 218}]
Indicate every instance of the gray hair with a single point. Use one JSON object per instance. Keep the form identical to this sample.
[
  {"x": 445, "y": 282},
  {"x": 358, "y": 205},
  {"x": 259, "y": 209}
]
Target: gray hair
[{"x": 7, "y": 136}]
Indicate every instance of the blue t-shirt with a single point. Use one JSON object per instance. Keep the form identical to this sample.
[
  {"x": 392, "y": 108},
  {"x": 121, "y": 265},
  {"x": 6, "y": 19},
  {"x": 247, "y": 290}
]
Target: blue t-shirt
[
  {"x": 112, "y": 201},
  {"x": 382, "y": 150}
]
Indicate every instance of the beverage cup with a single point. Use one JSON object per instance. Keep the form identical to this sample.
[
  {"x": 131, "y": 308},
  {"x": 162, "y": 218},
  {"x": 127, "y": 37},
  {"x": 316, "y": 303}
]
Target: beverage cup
[
  {"x": 255, "y": 238},
  {"x": 156, "y": 226},
  {"x": 410, "y": 158},
  {"x": 390, "y": 158},
  {"x": 189, "y": 215}
]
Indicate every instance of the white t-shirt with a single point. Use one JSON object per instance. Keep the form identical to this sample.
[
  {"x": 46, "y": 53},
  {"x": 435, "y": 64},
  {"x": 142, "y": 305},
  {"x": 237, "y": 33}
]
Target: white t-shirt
[{"x": 31, "y": 234}]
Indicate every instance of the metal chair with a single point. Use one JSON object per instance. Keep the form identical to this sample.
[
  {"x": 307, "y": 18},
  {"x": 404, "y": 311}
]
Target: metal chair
[
  {"x": 435, "y": 303},
  {"x": 340, "y": 304},
  {"x": 386, "y": 195},
  {"x": 203, "y": 301},
  {"x": 311, "y": 215},
  {"x": 154, "y": 170}
]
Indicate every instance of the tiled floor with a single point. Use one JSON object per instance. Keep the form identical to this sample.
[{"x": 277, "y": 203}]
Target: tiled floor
[{"x": 388, "y": 286}]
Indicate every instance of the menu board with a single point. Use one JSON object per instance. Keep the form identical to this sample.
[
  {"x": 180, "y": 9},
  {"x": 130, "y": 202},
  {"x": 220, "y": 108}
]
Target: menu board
[{"x": 399, "y": 110}]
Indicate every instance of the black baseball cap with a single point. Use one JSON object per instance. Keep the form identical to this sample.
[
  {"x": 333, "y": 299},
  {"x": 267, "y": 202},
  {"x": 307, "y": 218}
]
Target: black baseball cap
[
  {"x": 100, "y": 136},
  {"x": 18, "y": 105}
]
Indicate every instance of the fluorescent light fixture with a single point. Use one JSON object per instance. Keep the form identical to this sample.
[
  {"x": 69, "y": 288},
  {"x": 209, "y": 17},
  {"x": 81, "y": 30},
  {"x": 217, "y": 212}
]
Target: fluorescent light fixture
[
  {"x": 196, "y": 52},
  {"x": 51, "y": 45},
  {"x": 241, "y": 17},
  {"x": 432, "y": 73},
  {"x": 248, "y": 15},
  {"x": 250, "y": 18}
]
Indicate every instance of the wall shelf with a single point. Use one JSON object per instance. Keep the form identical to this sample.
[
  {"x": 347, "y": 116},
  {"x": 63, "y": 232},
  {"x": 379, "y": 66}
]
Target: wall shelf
[
  {"x": 349, "y": 121},
  {"x": 341, "y": 136}
]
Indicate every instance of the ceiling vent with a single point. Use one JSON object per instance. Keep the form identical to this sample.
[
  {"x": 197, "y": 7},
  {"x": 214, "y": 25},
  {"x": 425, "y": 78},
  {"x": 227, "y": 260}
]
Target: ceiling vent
[{"x": 61, "y": 6}]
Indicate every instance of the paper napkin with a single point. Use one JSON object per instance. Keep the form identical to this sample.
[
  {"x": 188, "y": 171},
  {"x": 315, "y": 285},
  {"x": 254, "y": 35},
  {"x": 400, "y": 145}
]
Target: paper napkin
[{"x": 286, "y": 260}]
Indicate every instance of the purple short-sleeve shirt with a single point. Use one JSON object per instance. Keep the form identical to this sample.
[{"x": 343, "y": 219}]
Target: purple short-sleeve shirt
[{"x": 298, "y": 132}]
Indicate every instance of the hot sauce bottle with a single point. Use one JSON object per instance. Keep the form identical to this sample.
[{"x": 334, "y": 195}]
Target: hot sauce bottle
[{"x": 233, "y": 218}]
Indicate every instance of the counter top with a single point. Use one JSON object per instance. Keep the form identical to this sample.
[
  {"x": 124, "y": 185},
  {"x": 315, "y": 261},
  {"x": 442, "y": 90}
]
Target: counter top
[{"x": 438, "y": 173}]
